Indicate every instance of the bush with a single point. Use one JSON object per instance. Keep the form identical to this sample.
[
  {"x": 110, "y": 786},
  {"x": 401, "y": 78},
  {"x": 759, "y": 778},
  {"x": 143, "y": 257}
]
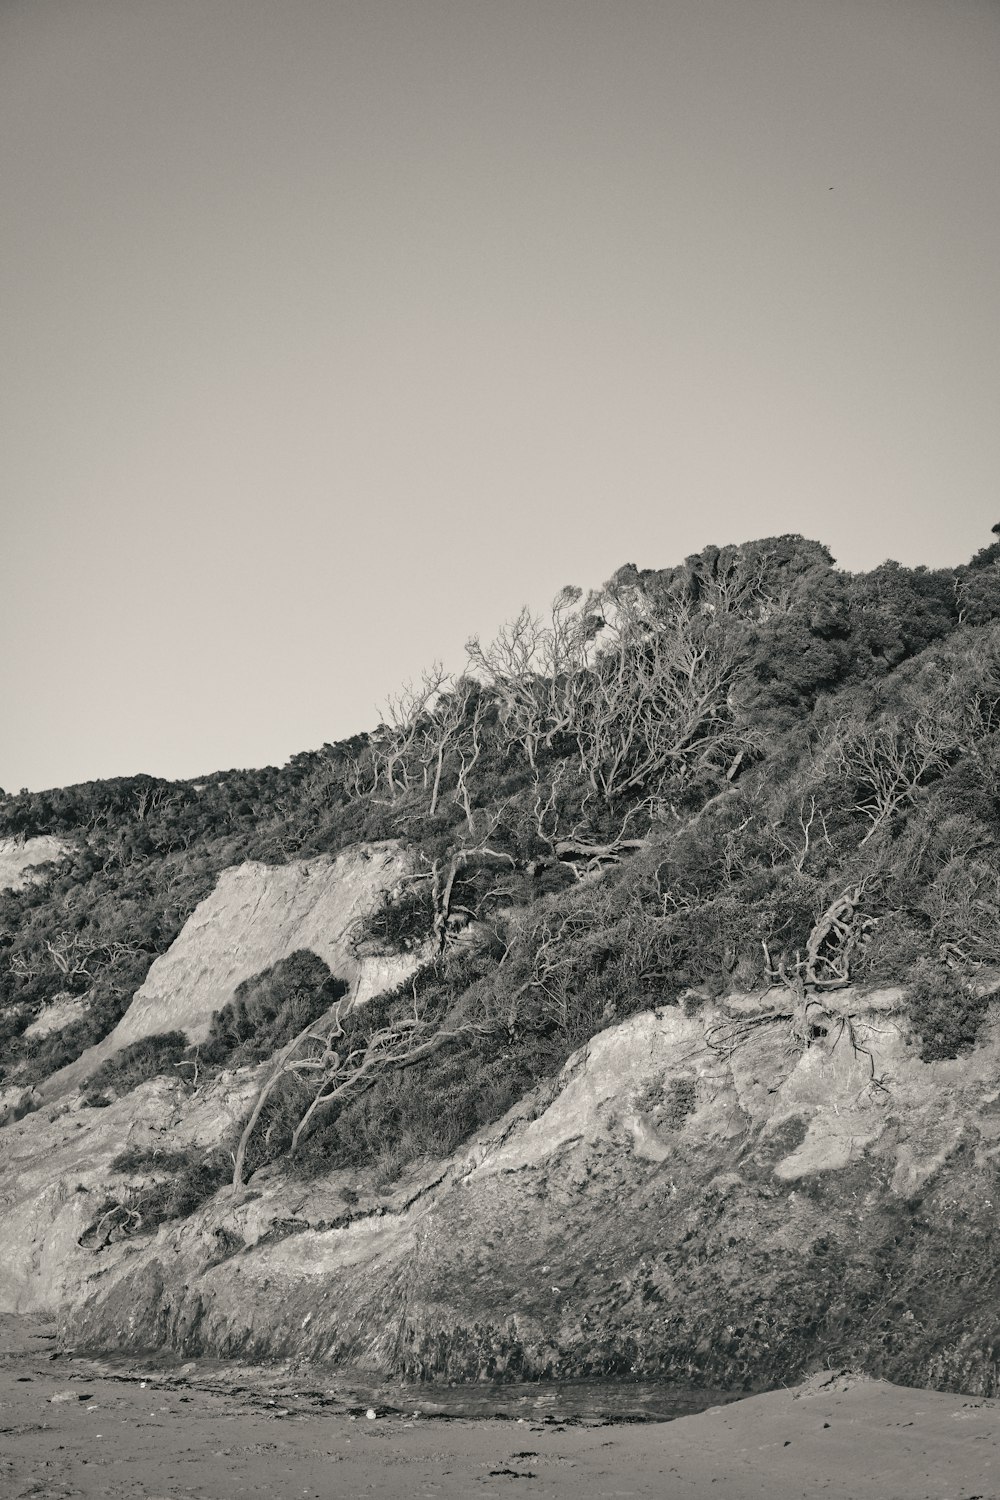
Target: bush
[
  {"x": 680, "y": 1100},
  {"x": 177, "y": 1182},
  {"x": 269, "y": 1009},
  {"x": 140, "y": 1061},
  {"x": 945, "y": 1012},
  {"x": 403, "y": 919},
  {"x": 426, "y": 1110}
]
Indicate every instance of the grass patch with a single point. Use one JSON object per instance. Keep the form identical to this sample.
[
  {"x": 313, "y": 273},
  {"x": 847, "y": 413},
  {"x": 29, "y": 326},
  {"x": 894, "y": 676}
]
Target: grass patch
[
  {"x": 150, "y": 1057},
  {"x": 176, "y": 1182},
  {"x": 947, "y": 1015}
]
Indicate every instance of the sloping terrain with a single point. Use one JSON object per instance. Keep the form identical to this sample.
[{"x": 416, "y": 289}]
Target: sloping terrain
[
  {"x": 255, "y": 916},
  {"x": 20, "y": 858},
  {"x": 700, "y": 1198},
  {"x": 667, "y": 936}
]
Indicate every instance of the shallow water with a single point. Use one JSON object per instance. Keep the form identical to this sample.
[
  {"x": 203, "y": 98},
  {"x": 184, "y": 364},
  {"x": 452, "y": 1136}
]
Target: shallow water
[
  {"x": 298, "y": 1387},
  {"x": 555, "y": 1401},
  {"x": 301, "y": 1388}
]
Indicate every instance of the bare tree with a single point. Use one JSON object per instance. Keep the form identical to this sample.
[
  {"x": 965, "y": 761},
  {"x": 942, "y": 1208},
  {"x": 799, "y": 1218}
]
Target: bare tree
[
  {"x": 445, "y": 877},
  {"x": 889, "y": 763},
  {"x": 584, "y": 854},
  {"x": 812, "y": 829},
  {"x": 536, "y": 669},
  {"x": 833, "y": 940},
  {"x": 149, "y": 799},
  {"x": 553, "y": 954},
  {"x": 361, "y": 774},
  {"x": 826, "y": 965},
  {"x": 451, "y": 731},
  {"x": 511, "y": 665},
  {"x": 394, "y": 745},
  {"x": 334, "y": 1064},
  {"x": 73, "y": 955},
  {"x": 962, "y": 904},
  {"x": 469, "y": 749},
  {"x": 658, "y": 699}
]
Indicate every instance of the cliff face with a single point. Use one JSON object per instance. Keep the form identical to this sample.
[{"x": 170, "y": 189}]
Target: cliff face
[
  {"x": 753, "y": 766},
  {"x": 705, "y": 1198},
  {"x": 55, "y": 1164},
  {"x": 20, "y": 858},
  {"x": 256, "y": 915}
]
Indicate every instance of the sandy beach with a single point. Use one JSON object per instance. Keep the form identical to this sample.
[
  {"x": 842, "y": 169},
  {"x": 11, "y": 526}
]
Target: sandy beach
[{"x": 69, "y": 1427}]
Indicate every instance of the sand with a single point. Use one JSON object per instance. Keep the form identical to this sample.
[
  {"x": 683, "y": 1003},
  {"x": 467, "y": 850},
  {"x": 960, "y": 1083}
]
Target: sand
[{"x": 70, "y": 1427}]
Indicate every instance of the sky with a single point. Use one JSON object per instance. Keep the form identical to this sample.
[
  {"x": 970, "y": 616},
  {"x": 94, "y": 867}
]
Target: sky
[{"x": 332, "y": 331}]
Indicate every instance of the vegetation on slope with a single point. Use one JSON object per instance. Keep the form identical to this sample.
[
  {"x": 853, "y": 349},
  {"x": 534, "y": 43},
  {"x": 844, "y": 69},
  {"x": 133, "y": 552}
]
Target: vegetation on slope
[{"x": 750, "y": 769}]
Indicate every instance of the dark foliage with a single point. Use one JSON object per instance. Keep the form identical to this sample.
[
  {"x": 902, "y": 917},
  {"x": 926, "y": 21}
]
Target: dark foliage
[
  {"x": 269, "y": 1009},
  {"x": 139, "y": 1062},
  {"x": 947, "y": 1014},
  {"x": 172, "y": 1184}
]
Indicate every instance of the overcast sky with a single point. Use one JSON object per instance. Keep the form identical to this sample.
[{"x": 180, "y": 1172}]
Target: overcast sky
[{"x": 334, "y": 330}]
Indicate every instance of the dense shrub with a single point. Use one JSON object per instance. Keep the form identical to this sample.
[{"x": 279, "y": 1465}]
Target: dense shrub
[
  {"x": 947, "y": 1014},
  {"x": 173, "y": 1183},
  {"x": 402, "y": 920},
  {"x": 269, "y": 1009},
  {"x": 139, "y": 1062},
  {"x": 426, "y": 1110}
]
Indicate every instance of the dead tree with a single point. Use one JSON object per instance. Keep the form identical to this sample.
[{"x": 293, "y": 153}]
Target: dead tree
[
  {"x": 545, "y": 809},
  {"x": 72, "y": 955},
  {"x": 593, "y": 856},
  {"x": 558, "y": 955},
  {"x": 825, "y": 966},
  {"x": 444, "y": 878},
  {"x": 574, "y": 846},
  {"x": 658, "y": 699},
  {"x": 640, "y": 691},
  {"x": 812, "y": 824},
  {"x": 361, "y": 774},
  {"x": 394, "y": 744},
  {"x": 536, "y": 670},
  {"x": 469, "y": 749},
  {"x": 511, "y": 666},
  {"x": 446, "y": 732},
  {"x": 150, "y": 800},
  {"x": 833, "y": 939},
  {"x": 890, "y": 763},
  {"x": 335, "y": 1064}
]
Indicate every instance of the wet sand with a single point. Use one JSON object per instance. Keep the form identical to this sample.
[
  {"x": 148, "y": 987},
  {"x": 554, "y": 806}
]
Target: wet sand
[{"x": 76, "y": 1428}]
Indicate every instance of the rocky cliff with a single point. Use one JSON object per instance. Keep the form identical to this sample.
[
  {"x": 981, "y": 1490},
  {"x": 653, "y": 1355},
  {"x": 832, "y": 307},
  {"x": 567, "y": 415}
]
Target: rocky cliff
[
  {"x": 642, "y": 817},
  {"x": 709, "y": 1198},
  {"x": 256, "y": 915},
  {"x": 21, "y": 859}
]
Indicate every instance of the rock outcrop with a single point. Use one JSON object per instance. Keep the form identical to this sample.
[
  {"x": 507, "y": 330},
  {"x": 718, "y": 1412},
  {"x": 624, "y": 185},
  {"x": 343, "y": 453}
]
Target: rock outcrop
[
  {"x": 61, "y": 1011},
  {"x": 256, "y": 915},
  {"x": 705, "y": 1198},
  {"x": 20, "y": 858}
]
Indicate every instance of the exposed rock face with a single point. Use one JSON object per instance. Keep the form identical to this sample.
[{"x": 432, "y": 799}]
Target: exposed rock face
[
  {"x": 57, "y": 1170},
  {"x": 62, "y": 1010},
  {"x": 700, "y": 1198},
  {"x": 19, "y": 858},
  {"x": 256, "y": 915}
]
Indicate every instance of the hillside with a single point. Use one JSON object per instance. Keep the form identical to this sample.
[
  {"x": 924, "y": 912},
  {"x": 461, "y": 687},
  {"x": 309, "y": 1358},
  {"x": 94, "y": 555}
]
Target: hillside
[{"x": 621, "y": 1005}]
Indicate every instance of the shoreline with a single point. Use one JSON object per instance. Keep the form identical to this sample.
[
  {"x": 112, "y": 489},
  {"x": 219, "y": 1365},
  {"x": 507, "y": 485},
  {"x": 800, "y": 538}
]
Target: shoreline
[{"x": 72, "y": 1427}]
